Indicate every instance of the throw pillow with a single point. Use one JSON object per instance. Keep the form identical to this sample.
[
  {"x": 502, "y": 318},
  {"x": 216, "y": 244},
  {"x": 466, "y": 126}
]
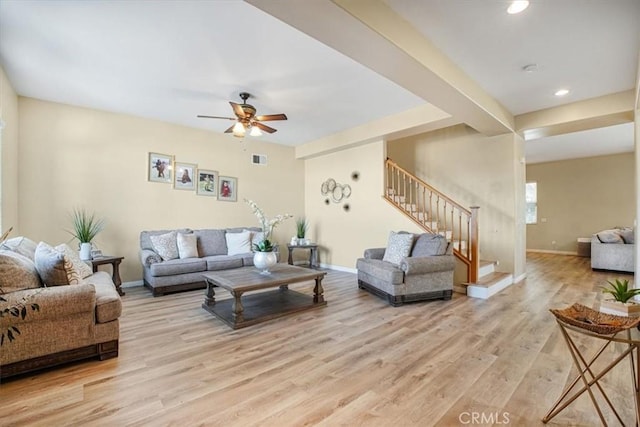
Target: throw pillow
[
  {"x": 609, "y": 236},
  {"x": 238, "y": 243},
  {"x": 21, "y": 245},
  {"x": 17, "y": 272},
  {"x": 51, "y": 267},
  {"x": 429, "y": 244},
  {"x": 187, "y": 245},
  {"x": 80, "y": 267},
  {"x": 628, "y": 235},
  {"x": 398, "y": 247},
  {"x": 166, "y": 245}
]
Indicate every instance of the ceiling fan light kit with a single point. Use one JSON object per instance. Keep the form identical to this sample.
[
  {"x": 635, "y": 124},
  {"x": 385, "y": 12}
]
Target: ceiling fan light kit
[{"x": 246, "y": 119}]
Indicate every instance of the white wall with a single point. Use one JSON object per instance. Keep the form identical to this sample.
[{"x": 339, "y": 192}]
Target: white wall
[{"x": 8, "y": 157}]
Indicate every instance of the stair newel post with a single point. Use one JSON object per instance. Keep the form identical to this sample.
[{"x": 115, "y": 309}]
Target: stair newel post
[{"x": 474, "y": 266}]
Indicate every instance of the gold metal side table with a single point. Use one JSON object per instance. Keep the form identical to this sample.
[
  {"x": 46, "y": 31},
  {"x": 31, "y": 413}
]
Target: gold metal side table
[{"x": 610, "y": 329}]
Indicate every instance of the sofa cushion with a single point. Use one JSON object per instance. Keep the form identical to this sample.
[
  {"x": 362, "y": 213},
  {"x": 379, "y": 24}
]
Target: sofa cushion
[
  {"x": 54, "y": 268},
  {"x": 178, "y": 266},
  {"x": 17, "y": 272},
  {"x": 166, "y": 245},
  {"x": 211, "y": 242},
  {"x": 628, "y": 236},
  {"x": 81, "y": 268},
  {"x": 382, "y": 270},
  {"x": 429, "y": 244},
  {"x": 223, "y": 262},
  {"x": 22, "y": 245},
  {"x": 145, "y": 236},
  {"x": 108, "y": 303},
  {"x": 398, "y": 247},
  {"x": 238, "y": 243},
  {"x": 610, "y": 236},
  {"x": 187, "y": 245}
]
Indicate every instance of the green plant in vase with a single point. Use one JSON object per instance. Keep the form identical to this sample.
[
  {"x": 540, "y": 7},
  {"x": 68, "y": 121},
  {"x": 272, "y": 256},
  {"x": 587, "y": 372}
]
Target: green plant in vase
[
  {"x": 85, "y": 228},
  {"x": 622, "y": 295},
  {"x": 301, "y": 227},
  {"x": 265, "y": 256},
  {"x": 620, "y": 290}
]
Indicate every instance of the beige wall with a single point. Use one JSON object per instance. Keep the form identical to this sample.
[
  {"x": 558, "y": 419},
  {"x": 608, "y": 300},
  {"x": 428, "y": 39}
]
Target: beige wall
[
  {"x": 8, "y": 156},
  {"x": 475, "y": 170},
  {"x": 343, "y": 236},
  {"x": 76, "y": 157},
  {"x": 580, "y": 197}
]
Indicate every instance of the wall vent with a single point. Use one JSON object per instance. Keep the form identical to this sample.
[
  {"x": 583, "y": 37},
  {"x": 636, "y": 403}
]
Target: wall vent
[{"x": 258, "y": 159}]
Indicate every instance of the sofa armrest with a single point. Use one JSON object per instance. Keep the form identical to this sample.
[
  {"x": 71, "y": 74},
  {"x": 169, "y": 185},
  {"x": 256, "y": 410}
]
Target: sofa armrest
[
  {"x": 55, "y": 303},
  {"x": 374, "y": 253},
  {"x": 427, "y": 264},
  {"x": 148, "y": 257}
]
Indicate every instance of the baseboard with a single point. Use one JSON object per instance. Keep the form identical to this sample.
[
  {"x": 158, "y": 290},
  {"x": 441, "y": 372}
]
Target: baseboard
[
  {"x": 339, "y": 268},
  {"x": 520, "y": 278},
  {"x": 546, "y": 251},
  {"x": 132, "y": 284}
]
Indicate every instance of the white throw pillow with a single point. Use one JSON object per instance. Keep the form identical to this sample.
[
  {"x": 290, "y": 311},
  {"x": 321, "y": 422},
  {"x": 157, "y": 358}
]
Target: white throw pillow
[
  {"x": 165, "y": 245},
  {"x": 187, "y": 245},
  {"x": 398, "y": 247},
  {"x": 256, "y": 237},
  {"x": 81, "y": 268},
  {"x": 238, "y": 243}
]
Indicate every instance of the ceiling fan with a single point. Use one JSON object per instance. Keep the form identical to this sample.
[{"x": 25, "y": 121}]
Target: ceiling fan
[{"x": 246, "y": 119}]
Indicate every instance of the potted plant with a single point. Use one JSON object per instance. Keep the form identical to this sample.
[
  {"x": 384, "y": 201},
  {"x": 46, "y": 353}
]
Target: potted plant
[
  {"x": 265, "y": 257},
  {"x": 85, "y": 228},
  {"x": 301, "y": 230},
  {"x": 621, "y": 303}
]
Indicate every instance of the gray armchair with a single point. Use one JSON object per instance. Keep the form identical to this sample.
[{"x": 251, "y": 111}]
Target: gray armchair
[{"x": 427, "y": 273}]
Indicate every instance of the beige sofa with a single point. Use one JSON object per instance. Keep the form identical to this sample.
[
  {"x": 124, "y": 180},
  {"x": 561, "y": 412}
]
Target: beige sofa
[{"x": 72, "y": 322}]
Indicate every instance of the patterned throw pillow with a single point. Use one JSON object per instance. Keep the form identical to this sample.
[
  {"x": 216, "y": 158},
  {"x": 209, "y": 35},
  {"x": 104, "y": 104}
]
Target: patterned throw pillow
[
  {"x": 17, "y": 272},
  {"x": 80, "y": 267},
  {"x": 187, "y": 245},
  {"x": 398, "y": 247},
  {"x": 51, "y": 266},
  {"x": 21, "y": 245},
  {"x": 166, "y": 245},
  {"x": 238, "y": 243}
]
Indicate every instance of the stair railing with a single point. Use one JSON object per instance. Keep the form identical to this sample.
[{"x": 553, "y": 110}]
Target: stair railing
[{"x": 435, "y": 213}]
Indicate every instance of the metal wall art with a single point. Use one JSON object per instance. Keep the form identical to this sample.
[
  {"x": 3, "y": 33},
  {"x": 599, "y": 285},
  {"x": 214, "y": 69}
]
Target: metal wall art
[{"x": 334, "y": 191}]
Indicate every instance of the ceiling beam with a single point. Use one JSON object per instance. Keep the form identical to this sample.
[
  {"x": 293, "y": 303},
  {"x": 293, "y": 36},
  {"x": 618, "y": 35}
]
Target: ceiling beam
[{"x": 372, "y": 34}]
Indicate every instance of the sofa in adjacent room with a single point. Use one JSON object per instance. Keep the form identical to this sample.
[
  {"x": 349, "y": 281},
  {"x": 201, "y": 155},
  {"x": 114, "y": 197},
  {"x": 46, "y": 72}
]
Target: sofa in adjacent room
[
  {"x": 77, "y": 310},
  {"x": 411, "y": 268},
  {"x": 175, "y": 260},
  {"x": 614, "y": 250}
]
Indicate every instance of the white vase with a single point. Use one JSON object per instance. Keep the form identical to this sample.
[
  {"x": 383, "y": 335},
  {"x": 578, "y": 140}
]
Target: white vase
[
  {"x": 85, "y": 251},
  {"x": 264, "y": 261}
]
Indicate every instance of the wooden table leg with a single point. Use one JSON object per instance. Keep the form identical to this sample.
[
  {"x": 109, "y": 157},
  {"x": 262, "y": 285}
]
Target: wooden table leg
[
  {"x": 237, "y": 307},
  {"x": 313, "y": 258},
  {"x": 290, "y": 260},
  {"x": 116, "y": 277},
  {"x": 210, "y": 295},
  {"x": 318, "y": 292}
]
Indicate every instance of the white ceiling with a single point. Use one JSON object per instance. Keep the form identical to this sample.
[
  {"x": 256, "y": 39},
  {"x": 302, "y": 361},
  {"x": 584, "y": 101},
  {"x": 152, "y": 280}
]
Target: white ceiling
[{"x": 172, "y": 60}]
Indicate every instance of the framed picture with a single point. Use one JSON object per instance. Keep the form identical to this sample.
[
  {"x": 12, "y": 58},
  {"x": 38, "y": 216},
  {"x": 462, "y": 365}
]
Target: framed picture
[
  {"x": 207, "y": 183},
  {"x": 160, "y": 168},
  {"x": 228, "y": 189},
  {"x": 185, "y": 176}
]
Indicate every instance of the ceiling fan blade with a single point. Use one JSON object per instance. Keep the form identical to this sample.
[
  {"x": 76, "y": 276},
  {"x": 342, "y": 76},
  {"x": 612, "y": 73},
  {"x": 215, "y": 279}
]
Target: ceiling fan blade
[
  {"x": 230, "y": 130},
  {"x": 216, "y": 117},
  {"x": 237, "y": 108},
  {"x": 270, "y": 117},
  {"x": 264, "y": 127}
]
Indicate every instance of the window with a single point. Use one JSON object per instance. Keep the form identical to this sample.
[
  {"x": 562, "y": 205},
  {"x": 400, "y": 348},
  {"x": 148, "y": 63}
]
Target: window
[{"x": 531, "y": 199}]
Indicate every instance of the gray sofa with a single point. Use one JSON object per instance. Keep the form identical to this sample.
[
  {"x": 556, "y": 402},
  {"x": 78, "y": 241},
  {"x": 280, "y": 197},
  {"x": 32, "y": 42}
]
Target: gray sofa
[
  {"x": 425, "y": 274},
  {"x": 614, "y": 250},
  {"x": 174, "y": 275}
]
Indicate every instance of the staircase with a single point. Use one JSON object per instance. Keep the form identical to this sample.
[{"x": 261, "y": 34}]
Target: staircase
[{"x": 436, "y": 213}]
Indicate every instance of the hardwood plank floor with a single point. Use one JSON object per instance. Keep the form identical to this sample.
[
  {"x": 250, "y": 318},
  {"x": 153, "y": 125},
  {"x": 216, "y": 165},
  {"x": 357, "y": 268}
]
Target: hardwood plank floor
[{"x": 357, "y": 361}]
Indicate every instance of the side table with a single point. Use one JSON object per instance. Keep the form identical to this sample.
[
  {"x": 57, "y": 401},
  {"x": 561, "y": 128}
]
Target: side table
[
  {"x": 115, "y": 264},
  {"x": 313, "y": 253}
]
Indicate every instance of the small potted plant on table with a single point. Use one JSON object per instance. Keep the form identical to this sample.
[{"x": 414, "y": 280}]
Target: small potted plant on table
[
  {"x": 301, "y": 230},
  {"x": 85, "y": 228},
  {"x": 621, "y": 304}
]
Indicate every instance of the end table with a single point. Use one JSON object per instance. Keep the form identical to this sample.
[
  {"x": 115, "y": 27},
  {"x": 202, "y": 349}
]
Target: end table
[
  {"x": 115, "y": 264},
  {"x": 313, "y": 253}
]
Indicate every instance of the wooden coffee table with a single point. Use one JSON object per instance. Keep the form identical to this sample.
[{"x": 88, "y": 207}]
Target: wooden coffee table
[{"x": 240, "y": 312}]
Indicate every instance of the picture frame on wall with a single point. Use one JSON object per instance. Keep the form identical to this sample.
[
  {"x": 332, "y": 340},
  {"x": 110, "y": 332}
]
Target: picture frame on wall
[
  {"x": 160, "y": 168},
  {"x": 228, "y": 189},
  {"x": 207, "y": 183},
  {"x": 184, "y": 176}
]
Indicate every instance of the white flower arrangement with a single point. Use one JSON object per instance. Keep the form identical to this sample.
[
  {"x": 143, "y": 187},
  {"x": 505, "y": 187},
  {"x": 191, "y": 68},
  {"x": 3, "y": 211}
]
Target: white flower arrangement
[{"x": 267, "y": 225}]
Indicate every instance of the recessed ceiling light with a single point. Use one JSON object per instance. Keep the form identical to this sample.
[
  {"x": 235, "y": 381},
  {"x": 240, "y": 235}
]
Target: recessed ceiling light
[
  {"x": 517, "y": 6},
  {"x": 562, "y": 92}
]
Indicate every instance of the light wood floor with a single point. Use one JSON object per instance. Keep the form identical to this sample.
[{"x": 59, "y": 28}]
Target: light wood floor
[{"x": 356, "y": 362}]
